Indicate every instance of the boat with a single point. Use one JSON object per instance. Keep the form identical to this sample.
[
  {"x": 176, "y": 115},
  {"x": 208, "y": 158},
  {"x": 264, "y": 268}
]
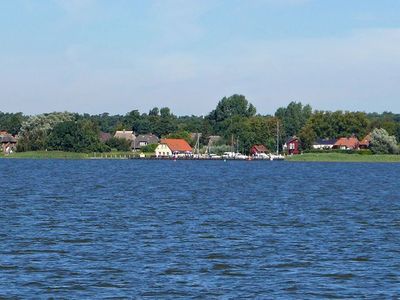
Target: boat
[{"x": 276, "y": 156}]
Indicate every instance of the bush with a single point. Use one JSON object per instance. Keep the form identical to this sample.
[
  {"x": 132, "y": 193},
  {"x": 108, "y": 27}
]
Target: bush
[
  {"x": 119, "y": 144},
  {"x": 149, "y": 148},
  {"x": 383, "y": 143}
]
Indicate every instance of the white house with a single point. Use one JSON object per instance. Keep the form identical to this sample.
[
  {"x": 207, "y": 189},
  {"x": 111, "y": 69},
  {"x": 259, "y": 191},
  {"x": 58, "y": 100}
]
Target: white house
[
  {"x": 163, "y": 150},
  {"x": 169, "y": 147},
  {"x": 321, "y": 144}
]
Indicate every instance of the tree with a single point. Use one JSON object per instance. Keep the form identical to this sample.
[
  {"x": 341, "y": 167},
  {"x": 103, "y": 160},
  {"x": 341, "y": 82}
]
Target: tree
[
  {"x": 228, "y": 108},
  {"x": 338, "y": 124},
  {"x": 119, "y": 144},
  {"x": 181, "y": 135},
  {"x": 11, "y": 122},
  {"x": 307, "y": 137},
  {"x": 75, "y": 136},
  {"x": 293, "y": 117},
  {"x": 383, "y": 143},
  {"x": 34, "y": 131},
  {"x": 167, "y": 123}
]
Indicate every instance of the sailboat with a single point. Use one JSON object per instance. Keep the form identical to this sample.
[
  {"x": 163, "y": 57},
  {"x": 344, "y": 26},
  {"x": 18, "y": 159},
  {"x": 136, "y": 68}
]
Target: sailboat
[{"x": 277, "y": 156}]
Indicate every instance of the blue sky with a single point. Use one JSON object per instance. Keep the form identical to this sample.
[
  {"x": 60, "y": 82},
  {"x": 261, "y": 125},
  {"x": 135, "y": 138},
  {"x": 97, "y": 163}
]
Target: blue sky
[{"x": 100, "y": 55}]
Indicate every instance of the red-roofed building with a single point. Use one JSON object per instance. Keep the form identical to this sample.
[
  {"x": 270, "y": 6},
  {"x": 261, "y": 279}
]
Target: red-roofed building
[
  {"x": 258, "y": 149},
  {"x": 351, "y": 143},
  {"x": 292, "y": 146},
  {"x": 169, "y": 147}
]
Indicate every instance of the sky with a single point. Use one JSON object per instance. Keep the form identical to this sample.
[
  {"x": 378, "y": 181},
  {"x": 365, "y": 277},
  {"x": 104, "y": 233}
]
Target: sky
[{"x": 115, "y": 56}]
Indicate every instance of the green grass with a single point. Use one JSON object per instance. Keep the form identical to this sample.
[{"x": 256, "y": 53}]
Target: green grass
[
  {"x": 68, "y": 155},
  {"x": 343, "y": 157},
  {"x": 47, "y": 155}
]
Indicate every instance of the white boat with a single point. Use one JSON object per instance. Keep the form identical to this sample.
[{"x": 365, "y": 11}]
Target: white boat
[
  {"x": 214, "y": 156},
  {"x": 276, "y": 157}
]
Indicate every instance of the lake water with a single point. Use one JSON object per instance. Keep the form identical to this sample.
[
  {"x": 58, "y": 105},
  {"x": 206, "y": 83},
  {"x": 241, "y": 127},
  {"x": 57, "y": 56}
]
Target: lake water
[{"x": 199, "y": 229}]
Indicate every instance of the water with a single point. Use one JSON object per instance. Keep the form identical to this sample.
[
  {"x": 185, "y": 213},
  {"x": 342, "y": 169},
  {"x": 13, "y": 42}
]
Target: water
[{"x": 193, "y": 229}]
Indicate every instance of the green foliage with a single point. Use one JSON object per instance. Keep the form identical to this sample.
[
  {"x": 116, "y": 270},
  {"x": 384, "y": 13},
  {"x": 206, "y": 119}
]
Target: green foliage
[
  {"x": 344, "y": 157},
  {"x": 293, "y": 117},
  {"x": 235, "y": 106},
  {"x": 307, "y": 137},
  {"x": 233, "y": 117},
  {"x": 11, "y": 122},
  {"x": 339, "y": 124},
  {"x": 119, "y": 144},
  {"x": 35, "y": 130},
  {"x": 249, "y": 131},
  {"x": 106, "y": 122},
  {"x": 149, "y": 148},
  {"x": 181, "y": 135},
  {"x": 383, "y": 143},
  {"x": 75, "y": 136},
  {"x": 219, "y": 149}
]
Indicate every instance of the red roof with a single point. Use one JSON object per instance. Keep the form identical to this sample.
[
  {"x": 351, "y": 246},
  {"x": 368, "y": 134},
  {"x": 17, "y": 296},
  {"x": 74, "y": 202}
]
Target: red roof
[
  {"x": 260, "y": 148},
  {"x": 349, "y": 143},
  {"x": 177, "y": 145}
]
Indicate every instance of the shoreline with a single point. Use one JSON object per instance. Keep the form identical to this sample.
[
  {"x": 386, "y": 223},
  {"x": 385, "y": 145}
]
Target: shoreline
[{"x": 306, "y": 157}]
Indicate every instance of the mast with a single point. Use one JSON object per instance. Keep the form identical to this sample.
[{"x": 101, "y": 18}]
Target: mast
[
  {"x": 277, "y": 137},
  {"x": 197, "y": 146},
  {"x": 232, "y": 148}
]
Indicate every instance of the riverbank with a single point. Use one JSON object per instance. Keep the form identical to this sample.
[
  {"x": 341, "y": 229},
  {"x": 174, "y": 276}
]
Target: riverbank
[
  {"x": 67, "y": 155},
  {"x": 307, "y": 157},
  {"x": 343, "y": 157}
]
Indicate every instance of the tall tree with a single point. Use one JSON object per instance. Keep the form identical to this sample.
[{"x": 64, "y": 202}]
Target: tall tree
[
  {"x": 227, "y": 109},
  {"x": 11, "y": 122},
  {"x": 75, "y": 136},
  {"x": 34, "y": 131},
  {"x": 293, "y": 117},
  {"x": 383, "y": 143}
]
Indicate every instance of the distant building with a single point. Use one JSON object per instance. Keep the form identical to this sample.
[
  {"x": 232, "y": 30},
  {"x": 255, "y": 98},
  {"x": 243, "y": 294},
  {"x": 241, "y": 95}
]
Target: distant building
[
  {"x": 351, "y": 143},
  {"x": 125, "y": 134},
  {"x": 292, "y": 146},
  {"x": 258, "y": 149},
  {"x": 365, "y": 142},
  {"x": 170, "y": 147},
  {"x": 324, "y": 144},
  {"x": 143, "y": 140},
  {"x": 8, "y": 143}
]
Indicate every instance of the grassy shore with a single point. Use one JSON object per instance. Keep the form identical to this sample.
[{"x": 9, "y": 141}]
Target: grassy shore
[
  {"x": 66, "y": 155},
  {"x": 343, "y": 157},
  {"x": 307, "y": 157}
]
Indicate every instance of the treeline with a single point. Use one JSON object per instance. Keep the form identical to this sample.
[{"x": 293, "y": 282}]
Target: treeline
[{"x": 235, "y": 119}]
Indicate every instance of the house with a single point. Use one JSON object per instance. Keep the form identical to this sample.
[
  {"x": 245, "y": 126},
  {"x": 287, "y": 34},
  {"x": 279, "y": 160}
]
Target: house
[
  {"x": 169, "y": 147},
  {"x": 292, "y": 146},
  {"x": 125, "y": 134},
  {"x": 324, "y": 144},
  {"x": 364, "y": 143},
  {"x": 258, "y": 149},
  {"x": 8, "y": 143},
  {"x": 351, "y": 143},
  {"x": 143, "y": 140}
]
